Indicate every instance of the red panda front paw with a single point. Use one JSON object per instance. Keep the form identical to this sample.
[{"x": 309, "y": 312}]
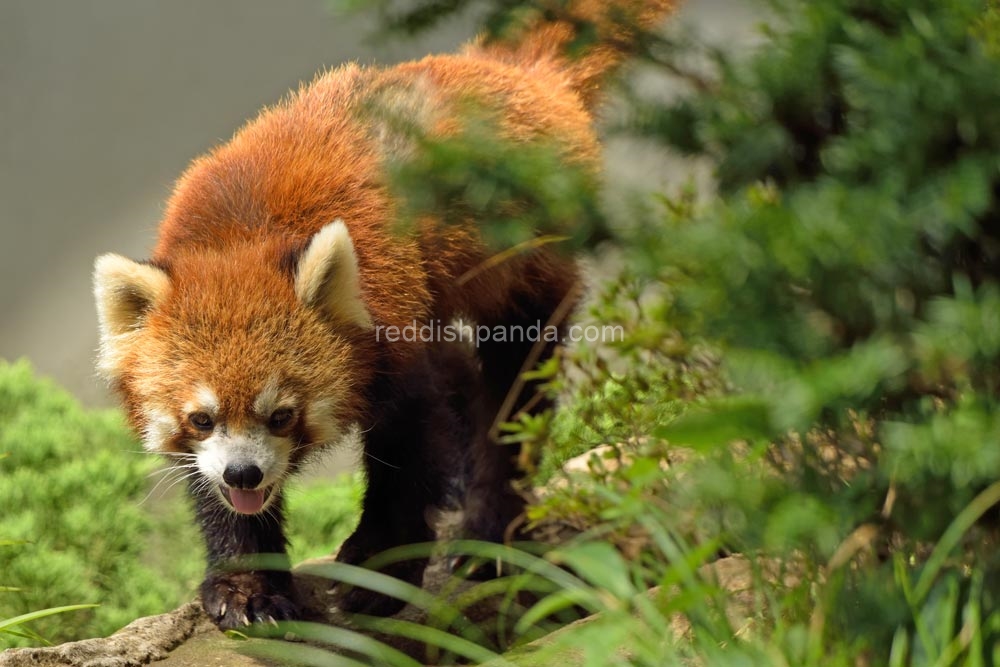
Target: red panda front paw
[{"x": 238, "y": 599}]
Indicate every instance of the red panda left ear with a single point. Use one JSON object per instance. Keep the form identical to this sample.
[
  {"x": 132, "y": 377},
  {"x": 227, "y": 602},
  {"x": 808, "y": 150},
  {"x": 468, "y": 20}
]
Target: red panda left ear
[
  {"x": 327, "y": 276},
  {"x": 125, "y": 291}
]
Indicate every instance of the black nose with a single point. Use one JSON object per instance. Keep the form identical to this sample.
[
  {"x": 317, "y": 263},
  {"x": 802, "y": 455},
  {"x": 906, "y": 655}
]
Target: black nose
[{"x": 242, "y": 475}]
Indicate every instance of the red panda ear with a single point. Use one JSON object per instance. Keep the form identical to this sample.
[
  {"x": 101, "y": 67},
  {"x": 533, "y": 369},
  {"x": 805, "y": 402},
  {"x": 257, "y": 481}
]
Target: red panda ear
[
  {"x": 124, "y": 291},
  {"x": 327, "y": 276}
]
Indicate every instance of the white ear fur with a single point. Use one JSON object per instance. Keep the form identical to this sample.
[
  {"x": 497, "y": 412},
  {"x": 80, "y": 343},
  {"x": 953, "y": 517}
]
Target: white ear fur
[
  {"x": 124, "y": 291},
  {"x": 327, "y": 276}
]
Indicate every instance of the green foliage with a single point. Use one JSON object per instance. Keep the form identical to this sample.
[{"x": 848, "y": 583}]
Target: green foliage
[
  {"x": 861, "y": 274},
  {"x": 515, "y": 192},
  {"x": 847, "y": 273},
  {"x": 72, "y": 483},
  {"x": 642, "y": 369},
  {"x": 987, "y": 29}
]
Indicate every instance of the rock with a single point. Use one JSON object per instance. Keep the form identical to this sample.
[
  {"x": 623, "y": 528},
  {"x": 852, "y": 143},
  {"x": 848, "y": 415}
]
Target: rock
[{"x": 138, "y": 643}]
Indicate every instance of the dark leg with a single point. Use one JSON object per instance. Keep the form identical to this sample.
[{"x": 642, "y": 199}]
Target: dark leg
[
  {"x": 406, "y": 465},
  {"x": 233, "y": 596},
  {"x": 492, "y": 504}
]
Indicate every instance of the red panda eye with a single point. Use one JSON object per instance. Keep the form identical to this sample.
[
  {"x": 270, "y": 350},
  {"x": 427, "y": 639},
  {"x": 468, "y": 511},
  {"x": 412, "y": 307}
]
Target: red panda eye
[
  {"x": 280, "y": 418},
  {"x": 201, "y": 421}
]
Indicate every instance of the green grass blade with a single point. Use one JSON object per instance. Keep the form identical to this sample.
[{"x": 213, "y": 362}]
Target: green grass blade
[
  {"x": 952, "y": 536},
  {"x": 35, "y": 615},
  {"x": 287, "y": 653},
  {"x": 401, "y": 590},
  {"x": 355, "y": 642},
  {"x": 433, "y": 636}
]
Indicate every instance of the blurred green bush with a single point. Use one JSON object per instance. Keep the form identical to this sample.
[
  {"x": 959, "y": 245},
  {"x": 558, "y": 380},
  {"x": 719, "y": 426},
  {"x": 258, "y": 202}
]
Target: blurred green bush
[{"x": 73, "y": 484}]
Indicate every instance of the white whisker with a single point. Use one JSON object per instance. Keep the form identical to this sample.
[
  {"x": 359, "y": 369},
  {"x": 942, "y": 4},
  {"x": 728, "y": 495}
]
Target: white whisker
[
  {"x": 183, "y": 466},
  {"x": 371, "y": 456},
  {"x": 171, "y": 468},
  {"x": 157, "y": 486},
  {"x": 180, "y": 479}
]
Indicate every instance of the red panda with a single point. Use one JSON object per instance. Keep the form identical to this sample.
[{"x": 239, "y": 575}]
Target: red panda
[{"x": 250, "y": 338}]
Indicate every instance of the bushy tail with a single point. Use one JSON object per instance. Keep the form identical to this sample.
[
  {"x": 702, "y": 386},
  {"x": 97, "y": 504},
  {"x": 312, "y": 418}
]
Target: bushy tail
[{"x": 605, "y": 30}]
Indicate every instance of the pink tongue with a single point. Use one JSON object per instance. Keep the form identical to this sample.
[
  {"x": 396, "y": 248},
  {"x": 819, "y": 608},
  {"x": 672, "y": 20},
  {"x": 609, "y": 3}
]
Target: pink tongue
[{"x": 247, "y": 502}]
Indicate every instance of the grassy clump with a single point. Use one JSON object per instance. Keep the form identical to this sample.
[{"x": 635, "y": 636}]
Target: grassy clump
[{"x": 74, "y": 527}]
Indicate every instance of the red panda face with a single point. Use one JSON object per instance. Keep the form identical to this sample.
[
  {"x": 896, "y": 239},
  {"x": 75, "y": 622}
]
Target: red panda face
[
  {"x": 243, "y": 449},
  {"x": 246, "y": 458},
  {"x": 242, "y": 428},
  {"x": 232, "y": 364}
]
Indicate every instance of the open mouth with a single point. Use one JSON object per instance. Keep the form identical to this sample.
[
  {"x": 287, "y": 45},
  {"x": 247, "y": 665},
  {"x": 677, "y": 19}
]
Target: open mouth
[{"x": 246, "y": 501}]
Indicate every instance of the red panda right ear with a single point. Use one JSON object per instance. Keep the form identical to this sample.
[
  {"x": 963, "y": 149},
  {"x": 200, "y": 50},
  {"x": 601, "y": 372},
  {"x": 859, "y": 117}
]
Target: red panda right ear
[
  {"x": 327, "y": 276},
  {"x": 124, "y": 291}
]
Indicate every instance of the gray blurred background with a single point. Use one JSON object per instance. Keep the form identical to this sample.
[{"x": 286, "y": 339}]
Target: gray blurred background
[{"x": 103, "y": 103}]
